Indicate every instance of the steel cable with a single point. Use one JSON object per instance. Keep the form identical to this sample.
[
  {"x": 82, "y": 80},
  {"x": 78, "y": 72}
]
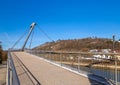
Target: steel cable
[
  {"x": 45, "y": 33},
  {"x": 20, "y": 39}
]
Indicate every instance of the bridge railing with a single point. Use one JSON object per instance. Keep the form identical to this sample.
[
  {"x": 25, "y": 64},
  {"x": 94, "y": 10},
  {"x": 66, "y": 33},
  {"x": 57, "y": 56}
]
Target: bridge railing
[
  {"x": 12, "y": 74},
  {"x": 105, "y": 65}
]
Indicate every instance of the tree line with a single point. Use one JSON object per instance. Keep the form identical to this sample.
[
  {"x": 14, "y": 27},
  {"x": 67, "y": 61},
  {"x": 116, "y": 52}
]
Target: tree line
[{"x": 3, "y": 54}]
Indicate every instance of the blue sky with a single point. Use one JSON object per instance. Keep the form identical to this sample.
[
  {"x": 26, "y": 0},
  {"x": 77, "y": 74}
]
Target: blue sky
[{"x": 60, "y": 19}]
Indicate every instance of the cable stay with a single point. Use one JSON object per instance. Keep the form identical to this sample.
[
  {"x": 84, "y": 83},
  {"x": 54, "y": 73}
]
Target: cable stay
[
  {"x": 19, "y": 39},
  {"x": 30, "y": 34},
  {"x": 45, "y": 33}
]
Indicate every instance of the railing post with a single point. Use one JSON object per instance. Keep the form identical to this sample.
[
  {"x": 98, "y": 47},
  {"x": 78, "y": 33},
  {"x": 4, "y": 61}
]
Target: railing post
[
  {"x": 60, "y": 59},
  {"x": 78, "y": 63},
  {"x": 115, "y": 70}
]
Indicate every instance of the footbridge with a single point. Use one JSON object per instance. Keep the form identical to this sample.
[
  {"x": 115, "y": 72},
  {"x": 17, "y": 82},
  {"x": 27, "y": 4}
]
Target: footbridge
[{"x": 40, "y": 67}]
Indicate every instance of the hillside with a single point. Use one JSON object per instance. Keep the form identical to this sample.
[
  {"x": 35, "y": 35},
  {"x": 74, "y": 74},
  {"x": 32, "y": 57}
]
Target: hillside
[{"x": 85, "y": 44}]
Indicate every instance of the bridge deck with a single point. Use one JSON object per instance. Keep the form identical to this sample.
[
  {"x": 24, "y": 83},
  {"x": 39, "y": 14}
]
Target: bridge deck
[{"x": 48, "y": 74}]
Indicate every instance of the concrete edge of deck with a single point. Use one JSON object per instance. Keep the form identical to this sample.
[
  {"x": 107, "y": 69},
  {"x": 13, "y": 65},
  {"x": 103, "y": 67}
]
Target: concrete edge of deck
[{"x": 73, "y": 71}]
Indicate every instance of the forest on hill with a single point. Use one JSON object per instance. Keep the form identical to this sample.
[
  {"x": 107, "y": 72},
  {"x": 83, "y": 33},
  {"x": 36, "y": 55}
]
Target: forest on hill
[{"x": 84, "y": 45}]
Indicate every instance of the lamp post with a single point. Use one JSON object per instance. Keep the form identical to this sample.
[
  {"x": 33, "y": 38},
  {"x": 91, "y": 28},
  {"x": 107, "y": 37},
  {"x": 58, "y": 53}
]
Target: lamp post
[
  {"x": 113, "y": 49},
  {"x": 113, "y": 46}
]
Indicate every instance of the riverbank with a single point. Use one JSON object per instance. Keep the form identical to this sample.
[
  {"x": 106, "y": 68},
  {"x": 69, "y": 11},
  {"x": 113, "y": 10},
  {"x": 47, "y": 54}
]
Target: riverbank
[{"x": 99, "y": 66}]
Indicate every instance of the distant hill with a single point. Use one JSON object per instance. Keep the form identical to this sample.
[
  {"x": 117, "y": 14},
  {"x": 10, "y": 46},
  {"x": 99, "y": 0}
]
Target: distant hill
[{"x": 84, "y": 45}]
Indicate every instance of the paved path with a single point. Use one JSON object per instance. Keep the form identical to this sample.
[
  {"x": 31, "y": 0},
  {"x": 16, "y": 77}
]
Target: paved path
[
  {"x": 48, "y": 74},
  {"x": 2, "y": 75}
]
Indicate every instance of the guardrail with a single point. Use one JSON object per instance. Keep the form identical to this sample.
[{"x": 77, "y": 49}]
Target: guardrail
[
  {"x": 12, "y": 74},
  {"x": 105, "y": 65}
]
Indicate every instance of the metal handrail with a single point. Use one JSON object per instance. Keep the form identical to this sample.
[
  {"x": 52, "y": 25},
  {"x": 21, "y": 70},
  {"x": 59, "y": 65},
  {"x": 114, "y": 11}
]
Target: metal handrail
[
  {"x": 8, "y": 71},
  {"x": 12, "y": 77},
  {"x": 70, "y": 52}
]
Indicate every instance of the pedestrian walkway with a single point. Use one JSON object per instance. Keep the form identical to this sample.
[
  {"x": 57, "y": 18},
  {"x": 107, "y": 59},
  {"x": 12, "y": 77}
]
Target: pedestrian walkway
[{"x": 49, "y": 74}]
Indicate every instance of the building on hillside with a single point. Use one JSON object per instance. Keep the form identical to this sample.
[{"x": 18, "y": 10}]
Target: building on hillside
[
  {"x": 106, "y": 50},
  {"x": 93, "y": 50},
  {"x": 99, "y": 57}
]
